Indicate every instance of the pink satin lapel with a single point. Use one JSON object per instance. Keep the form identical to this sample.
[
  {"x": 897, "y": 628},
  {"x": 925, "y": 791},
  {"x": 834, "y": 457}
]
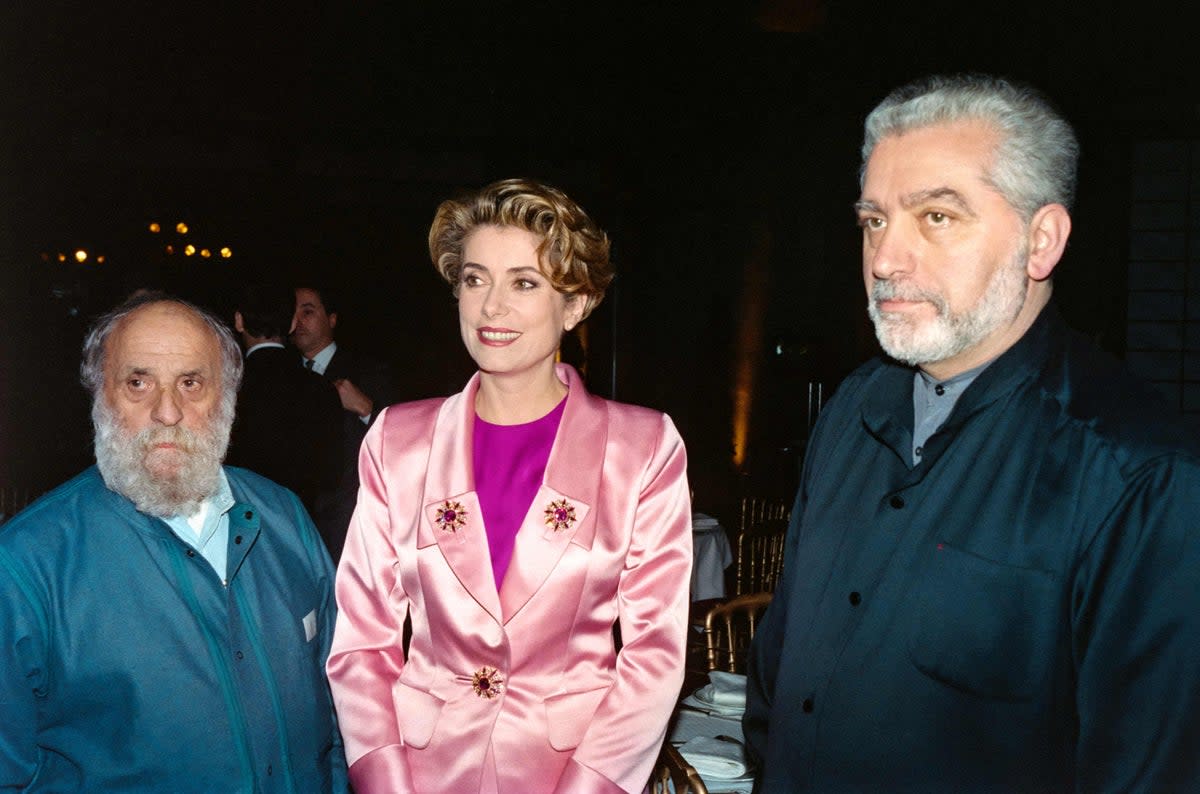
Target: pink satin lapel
[
  {"x": 538, "y": 548},
  {"x": 465, "y": 547},
  {"x": 450, "y": 479}
]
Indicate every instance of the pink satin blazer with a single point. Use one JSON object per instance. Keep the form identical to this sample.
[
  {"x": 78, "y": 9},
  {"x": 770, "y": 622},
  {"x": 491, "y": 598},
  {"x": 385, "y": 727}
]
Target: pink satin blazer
[{"x": 518, "y": 691}]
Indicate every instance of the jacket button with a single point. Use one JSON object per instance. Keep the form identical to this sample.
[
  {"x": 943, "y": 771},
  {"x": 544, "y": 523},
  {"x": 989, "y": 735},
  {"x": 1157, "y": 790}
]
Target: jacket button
[
  {"x": 487, "y": 682},
  {"x": 238, "y": 654},
  {"x": 249, "y": 514},
  {"x": 896, "y": 502},
  {"x": 807, "y": 705},
  {"x": 238, "y": 539},
  {"x": 191, "y": 552},
  {"x": 855, "y": 599}
]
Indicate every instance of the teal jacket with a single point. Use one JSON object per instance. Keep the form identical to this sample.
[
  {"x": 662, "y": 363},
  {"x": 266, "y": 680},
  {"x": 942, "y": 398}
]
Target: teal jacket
[
  {"x": 1019, "y": 612},
  {"x": 127, "y": 665}
]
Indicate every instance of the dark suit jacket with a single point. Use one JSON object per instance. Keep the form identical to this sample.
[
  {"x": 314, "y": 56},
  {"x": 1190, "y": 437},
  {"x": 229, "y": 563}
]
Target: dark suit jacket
[
  {"x": 335, "y": 505},
  {"x": 289, "y": 425}
]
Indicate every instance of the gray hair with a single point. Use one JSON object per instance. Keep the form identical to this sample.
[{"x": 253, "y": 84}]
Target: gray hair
[
  {"x": 91, "y": 370},
  {"x": 1035, "y": 161}
]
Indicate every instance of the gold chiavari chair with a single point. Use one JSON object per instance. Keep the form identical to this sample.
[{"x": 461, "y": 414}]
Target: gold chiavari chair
[
  {"x": 756, "y": 509},
  {"x": 758, "y": 556},
  {"x": 672, "y": 773},
  {"x": 728, "y": 629}
]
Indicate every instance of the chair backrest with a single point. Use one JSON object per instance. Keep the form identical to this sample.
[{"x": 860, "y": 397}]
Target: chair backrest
[
  {"x": 672, "y": 773},
  {"x": 759, "y": 556},
  {"x": 728, "y": 629},
  {"x": 756, "y": 509}
]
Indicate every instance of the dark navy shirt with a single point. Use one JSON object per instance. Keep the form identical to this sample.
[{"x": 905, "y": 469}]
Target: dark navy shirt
[{"x": 1019, "y": 612}]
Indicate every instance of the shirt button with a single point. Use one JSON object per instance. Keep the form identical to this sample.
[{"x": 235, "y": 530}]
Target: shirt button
[
  {"x": 855, "y": 599},
  {"x": 807, "y": 705},
  {"x": 896, "y": 502},
  {"x": 919, "y": 451},
  {"x": 939, "y": 390}
]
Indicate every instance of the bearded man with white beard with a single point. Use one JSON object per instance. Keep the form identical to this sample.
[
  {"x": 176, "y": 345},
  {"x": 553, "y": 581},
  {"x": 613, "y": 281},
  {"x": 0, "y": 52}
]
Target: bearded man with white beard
[
  {"x": 992, "y": 575},
  {"x": 164, "y": 620}
]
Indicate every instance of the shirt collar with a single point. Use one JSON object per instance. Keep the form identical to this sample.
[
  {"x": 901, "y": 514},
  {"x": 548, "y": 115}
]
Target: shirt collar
[
  {"x": 210, "y": 511},
  {"x": 928, "y": 386},
  {"x": 887, "y": 407},
  {"x": 321, "y": 360}
]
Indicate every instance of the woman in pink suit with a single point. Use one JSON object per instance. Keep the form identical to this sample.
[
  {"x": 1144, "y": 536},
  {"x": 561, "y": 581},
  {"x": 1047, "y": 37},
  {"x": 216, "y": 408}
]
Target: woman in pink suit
[{"x": 516, "y": 522}]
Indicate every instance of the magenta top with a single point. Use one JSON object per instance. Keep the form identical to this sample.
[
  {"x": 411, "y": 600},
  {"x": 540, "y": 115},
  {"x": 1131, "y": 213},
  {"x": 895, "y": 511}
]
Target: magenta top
[{"x": 510, "y": 462}]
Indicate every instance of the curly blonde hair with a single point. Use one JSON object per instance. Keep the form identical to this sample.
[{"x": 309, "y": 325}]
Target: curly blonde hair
[{"x": 573, "y": 252}]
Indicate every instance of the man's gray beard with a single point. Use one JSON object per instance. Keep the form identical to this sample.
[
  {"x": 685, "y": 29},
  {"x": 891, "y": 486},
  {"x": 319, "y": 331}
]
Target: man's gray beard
[
  {"x": 122, "y": 460},
  {"x": 948, "y": 334}
]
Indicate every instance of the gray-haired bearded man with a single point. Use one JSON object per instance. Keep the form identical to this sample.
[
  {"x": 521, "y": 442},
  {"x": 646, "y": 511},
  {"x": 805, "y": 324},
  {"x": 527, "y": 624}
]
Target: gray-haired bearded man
[
  {"x": 164, "y": 621},
  {"x": 992, "y": 575}
]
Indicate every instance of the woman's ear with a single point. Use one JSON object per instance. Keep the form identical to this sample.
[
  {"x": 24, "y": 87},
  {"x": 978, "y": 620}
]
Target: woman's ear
[
  {"x": 574, "y": 313},
  {"x": 1048, "y": 232}
]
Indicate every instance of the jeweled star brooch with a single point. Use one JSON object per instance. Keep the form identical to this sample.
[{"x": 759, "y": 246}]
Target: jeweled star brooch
[
  {"x": 451, "y": 516},
  {"x": 560, "y": 515}
]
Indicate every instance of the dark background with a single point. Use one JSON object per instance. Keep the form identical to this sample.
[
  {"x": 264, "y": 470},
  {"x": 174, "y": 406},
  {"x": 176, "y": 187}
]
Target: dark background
[{"x": 718, "y": 146}]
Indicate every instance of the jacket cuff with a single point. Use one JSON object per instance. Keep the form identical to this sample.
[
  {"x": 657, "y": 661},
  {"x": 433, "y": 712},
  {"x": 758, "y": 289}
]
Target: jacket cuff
[
  {"x": 579, "y": 779},
  {"x": 384, "y": 770}
]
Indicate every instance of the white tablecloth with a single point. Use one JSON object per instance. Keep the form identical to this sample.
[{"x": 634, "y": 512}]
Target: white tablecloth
[{"x": 711, "y": 555}]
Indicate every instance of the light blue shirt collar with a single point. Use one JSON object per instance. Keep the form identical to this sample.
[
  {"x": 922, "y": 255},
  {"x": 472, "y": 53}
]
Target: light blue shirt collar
[
  {"x": 213, "y": 539},
  {"x": 321, "y": 360}
]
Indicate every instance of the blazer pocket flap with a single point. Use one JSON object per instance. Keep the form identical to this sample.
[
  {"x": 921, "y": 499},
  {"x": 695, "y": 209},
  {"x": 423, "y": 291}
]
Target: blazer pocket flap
[
  {"x": 568, "y": 716},
  {"x": 418, "y": 712}
]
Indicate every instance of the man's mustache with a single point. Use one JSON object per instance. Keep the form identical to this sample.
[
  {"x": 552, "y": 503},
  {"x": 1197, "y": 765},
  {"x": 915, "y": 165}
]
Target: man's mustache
[
  {"x": 899, "y": 290},
  {"x": 181, "y": 437}
]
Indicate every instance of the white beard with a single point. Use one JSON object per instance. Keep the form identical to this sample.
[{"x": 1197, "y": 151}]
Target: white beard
[
  {"x": 160, "y": 482},
  {"x": 917, "y": 342}
]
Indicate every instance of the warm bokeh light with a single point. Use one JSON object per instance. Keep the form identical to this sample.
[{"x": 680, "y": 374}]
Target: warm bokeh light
[
  {"x": 100, "y": 259},
  {"x": 170, "y": 249},
  {"x": 226, "y": 252},
  {"x": 62, "y": 257},
  {"x": 81, "y": 256},
  {"x": 181, "y": 227},
  {"x": 189, "y": 250},
  {"x": 749, "y": 341},
  {"x": 155, "y": 228},
  {"x": 204, "y": 252}
]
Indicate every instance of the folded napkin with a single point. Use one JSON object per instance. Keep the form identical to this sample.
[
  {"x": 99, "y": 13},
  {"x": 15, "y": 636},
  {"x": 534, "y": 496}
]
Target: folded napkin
[
  {"x": 718, "y": 759},
  {"x": 725, "y": 690}
]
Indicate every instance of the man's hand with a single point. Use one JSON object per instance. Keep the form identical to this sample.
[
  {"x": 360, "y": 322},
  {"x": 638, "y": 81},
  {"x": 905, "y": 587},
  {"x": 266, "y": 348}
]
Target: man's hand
[{"x": 353, "y": 399}]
